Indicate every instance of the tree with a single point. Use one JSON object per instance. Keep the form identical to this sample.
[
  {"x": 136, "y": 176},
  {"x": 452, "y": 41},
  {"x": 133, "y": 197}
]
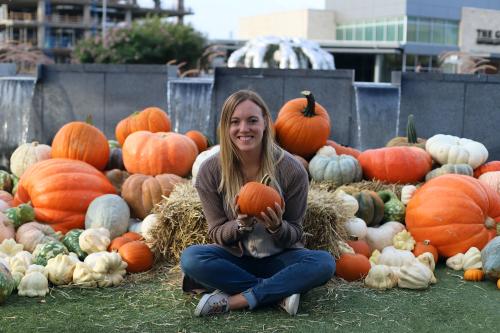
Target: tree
[
  {"x": 25, "y": 56},
  {"x": 150, "y": 41}
]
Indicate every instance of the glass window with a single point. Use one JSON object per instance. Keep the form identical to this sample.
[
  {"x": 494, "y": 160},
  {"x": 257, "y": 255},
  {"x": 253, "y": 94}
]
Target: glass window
[
  {"x": 400, "y": 36},
  {"x": 359, "y": 32},
  {"x": 438, "y": 32},
  {"x": 369, "y": 32},
  {"x": 348, "y": 33},
  {"x": 379, "y": 31},
  {"x": 391, "y": 32},
  {"x": 424, "y": 31},
  {"x": 451, "y": 34},
  {"x": 412, "y": 30},
  {"x": 340, "y": 33}
]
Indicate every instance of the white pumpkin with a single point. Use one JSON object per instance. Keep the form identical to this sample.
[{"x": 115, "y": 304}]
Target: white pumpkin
[
  {"x": 109, "y": 268},
  {"x": 456, "y": 262},
  {"x": 415, "y": 276},
  {"x": 60, "y": 269},
  {"x": 403, "y": 240},
  {"x": 94, "y": 240},
  {"x": 407, "y": 193},
  {"x": 143, "y": 228},
  {"x": 381, "y": 277},
  {"x": 356, "y": 227},
  {"x": 33, "y": 284},
  {"x": 26, "y": 155},
  {"x": 381, "y": 237},
  {"x": 449, "y": 149},
  {"x": 391, "y": 256},
  {"x": 201, "y": 158},
  {"x": 349, "y": 203},
  {"x": 108, "y": 211},
  {"x": 472, "y": 259}
]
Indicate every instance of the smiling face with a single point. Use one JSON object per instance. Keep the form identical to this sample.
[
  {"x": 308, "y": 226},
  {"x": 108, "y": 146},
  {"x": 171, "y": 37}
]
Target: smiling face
[{"x": 247, "y": 127}]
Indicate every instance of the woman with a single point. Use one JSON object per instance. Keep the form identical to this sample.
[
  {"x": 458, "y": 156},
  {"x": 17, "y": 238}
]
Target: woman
[{"x": 256, "y": 260}]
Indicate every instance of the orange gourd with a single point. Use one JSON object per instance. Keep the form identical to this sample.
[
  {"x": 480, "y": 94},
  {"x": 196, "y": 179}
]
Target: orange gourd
[
  {"x": 118, "y": 242},
  {"x": 343, "y": 150},
  {"x": 81, "y": 141},
  {"x": 425, "y": 246},
  {"x": 474, "y": 275},
  {"x": 454, "y": 212},
  {"x": 151, "y": 119},
  {"x": 132, "y": 235},
  {"x": 395, "y": 164},
  {"x": 61, "y": 190},
  {"x": 255, "y": 197},
  {"x": 199, "y": 139},
  {"x": 487, "y": 167},
  {"x": 302, "y": 126},
  {"x": 352, "y": 267},
  {"x": 157, "y": 153},
  {"x": 137, "y": 255},
  {"x": 359, "y": 246}
]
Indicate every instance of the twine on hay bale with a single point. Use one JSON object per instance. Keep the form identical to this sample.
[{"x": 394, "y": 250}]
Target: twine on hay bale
[
  {"x": 371, "y": 185},
  {"x": 182, "y": 223},
  {"x": 324, "y": 223}
]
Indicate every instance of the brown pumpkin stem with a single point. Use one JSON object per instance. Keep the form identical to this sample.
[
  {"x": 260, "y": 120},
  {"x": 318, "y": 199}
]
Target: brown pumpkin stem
[
  {"x": 426, "y": 242},
  {"x": 353, "y": 238},
  {"x": 311, "y": 103},
  {"x": 490, "y": 223},
  {"x": 89, "y": 120},
  {"x": 266, "y": 180}
]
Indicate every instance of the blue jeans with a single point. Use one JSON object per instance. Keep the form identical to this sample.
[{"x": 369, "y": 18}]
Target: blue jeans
[{"x": 261, "y": 280}]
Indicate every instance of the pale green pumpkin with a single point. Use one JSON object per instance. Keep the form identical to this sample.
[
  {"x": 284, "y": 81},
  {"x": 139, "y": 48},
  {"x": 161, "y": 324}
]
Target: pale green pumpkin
[
  {"x": 343, "y": 169},
  {"x": 108, "y": 211},
  {"x": 490, "y": 258},
  {"x": 460, "y": 169},
  {"x": 7, "y": 283}
]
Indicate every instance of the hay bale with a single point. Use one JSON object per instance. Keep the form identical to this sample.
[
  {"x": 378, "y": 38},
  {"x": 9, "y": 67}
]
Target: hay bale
[
  {"x": 181, "y": 223},
  {"x": 374, "y": 185},
  {"x": 324, "y": 223}
]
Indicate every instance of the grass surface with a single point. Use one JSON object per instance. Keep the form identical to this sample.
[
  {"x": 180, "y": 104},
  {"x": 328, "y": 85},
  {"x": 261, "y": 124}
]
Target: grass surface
[{"x": 153, "y": 302}]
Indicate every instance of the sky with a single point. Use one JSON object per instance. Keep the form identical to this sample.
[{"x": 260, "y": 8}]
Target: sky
[{"x": 218, "y": 19}]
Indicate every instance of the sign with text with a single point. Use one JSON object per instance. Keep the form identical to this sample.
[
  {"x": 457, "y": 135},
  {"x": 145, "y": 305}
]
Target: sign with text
[{"x": 490, "y": 37}]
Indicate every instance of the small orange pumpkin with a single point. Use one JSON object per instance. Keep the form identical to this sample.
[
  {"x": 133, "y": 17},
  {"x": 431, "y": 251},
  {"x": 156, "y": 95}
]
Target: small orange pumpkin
[
  {"x": 487, "y": 167},
  {"x": 117, "y": 243},
  {"x": 352, "y": 267},
  {"x": 425, "y": 246},
  {"x": 137, "y": 255},
  {"x": 199, "y": 139},
  {"x": 343, "y": 150},
  {"x": 302, "y": 126},
  {"x": 81, "y": 141},
  {"x": 157, "y": 153},
  {"x": 498, "y": 283},
  {"x": 150, "y": 119},
  {"x": 359, "y": 246},
  {"x": 255, "y": 197},
  {"x": 474, "y": 275},
  {"x": 132, "y": 235}
]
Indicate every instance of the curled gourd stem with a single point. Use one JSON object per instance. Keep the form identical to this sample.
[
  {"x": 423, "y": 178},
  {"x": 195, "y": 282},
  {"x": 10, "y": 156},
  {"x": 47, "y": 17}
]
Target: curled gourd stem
[
  {"x": 311, "y": 103},
  {"x": 266, "y": 180}
]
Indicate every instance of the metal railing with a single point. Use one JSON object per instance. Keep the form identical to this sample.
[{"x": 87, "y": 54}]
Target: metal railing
[
  {"x": 57, "y": 18},
  {"x": 22, "y": 16}
]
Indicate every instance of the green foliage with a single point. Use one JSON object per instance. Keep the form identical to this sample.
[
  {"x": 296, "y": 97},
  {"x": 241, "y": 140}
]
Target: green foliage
[{"x": 147, "y": 42}]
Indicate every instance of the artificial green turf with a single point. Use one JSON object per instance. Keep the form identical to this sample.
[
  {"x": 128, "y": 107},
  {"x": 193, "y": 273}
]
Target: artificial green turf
[{"x": 154, "y": 303}]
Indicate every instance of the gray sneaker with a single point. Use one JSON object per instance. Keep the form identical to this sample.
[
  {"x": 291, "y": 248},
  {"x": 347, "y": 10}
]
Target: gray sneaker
[
  {"x": 291, "y": 304},
  {"x": 212, "y": 304}
]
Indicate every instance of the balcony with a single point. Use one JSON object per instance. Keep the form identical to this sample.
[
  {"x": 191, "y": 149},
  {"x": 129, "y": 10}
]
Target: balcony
[
  {"x": 21, "y": 16},
  {"x": 65, "y": 19}
]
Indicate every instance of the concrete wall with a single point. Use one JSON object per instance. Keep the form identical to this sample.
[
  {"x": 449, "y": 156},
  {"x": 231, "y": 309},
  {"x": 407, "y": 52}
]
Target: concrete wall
[
  {"x": 461, "y": 105},
  {"x": 308, "y": 23},
  {"x": 332, "y": 89},
  {"x": 107, "y": 92}
]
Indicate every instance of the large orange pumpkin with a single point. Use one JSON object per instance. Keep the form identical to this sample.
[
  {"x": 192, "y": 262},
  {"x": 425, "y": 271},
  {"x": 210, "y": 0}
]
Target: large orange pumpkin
[
  {"x": 343, "y": 150},
  {"x": 199, "y": 138},
  {"x": 395, "y": 164},
  {"x": 151, "y": 119},
  {"x": 157, "y": 153},
  {"x": 61, "y": 190},
  {"x": 487, "y": 167},
  {"x": 255, "y": 197},
  {"x": 137, "y": 255},
  {"x": 302, "y": 126},
  {"x": 81, "y": 141},
  {"x": 454, "y": 212}
]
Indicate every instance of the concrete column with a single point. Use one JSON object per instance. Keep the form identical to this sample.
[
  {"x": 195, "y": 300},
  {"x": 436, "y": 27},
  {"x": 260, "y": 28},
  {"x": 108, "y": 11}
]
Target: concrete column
[
  {"x": 41, "y": 18},
  {"x": 86, "y": 20},
  {"x": 403, "y": 65},
  {"x": 379, "y": 61},
  {"x": 128, "y": 16}
]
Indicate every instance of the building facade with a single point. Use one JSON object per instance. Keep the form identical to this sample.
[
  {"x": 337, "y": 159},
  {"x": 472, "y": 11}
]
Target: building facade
[
  {"x": 376, "y": 37},
  {"x": 56, "y": 25}
]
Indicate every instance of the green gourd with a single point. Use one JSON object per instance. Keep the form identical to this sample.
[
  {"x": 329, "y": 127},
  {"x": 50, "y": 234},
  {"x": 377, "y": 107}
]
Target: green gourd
[
  {"x": 20, "y": 214},
  {"x": 370, "y": 207},
  {"x": 461, "y": 169},
  {"x": 71, "y": 242},
  {"x": 44, "y": 252},
  {"x": 394, "y": 209},
  {"x": 7, "y": 283},
  {"x": 5, "y": 181}
]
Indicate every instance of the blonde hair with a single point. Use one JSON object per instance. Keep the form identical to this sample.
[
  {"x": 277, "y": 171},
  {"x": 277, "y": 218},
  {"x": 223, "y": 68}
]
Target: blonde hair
[{"x": 232, "y": 176}]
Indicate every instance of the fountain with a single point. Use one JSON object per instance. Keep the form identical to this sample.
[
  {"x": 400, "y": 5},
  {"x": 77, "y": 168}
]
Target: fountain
[
  {"x": 377, "y": 114},
  {"x": 17, "y": 116},
  {"x": 189, "y": 105}
]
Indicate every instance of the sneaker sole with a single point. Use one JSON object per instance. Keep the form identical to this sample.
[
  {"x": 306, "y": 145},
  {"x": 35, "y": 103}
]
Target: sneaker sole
[
  {"x": 294, "y": 299},
  {"x": 201, "y": 304}
]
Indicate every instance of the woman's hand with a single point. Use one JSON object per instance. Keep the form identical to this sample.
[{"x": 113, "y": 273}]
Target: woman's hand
[
  {"x": 243, "y": 219},
  {"x": 273, "y": 219}
]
